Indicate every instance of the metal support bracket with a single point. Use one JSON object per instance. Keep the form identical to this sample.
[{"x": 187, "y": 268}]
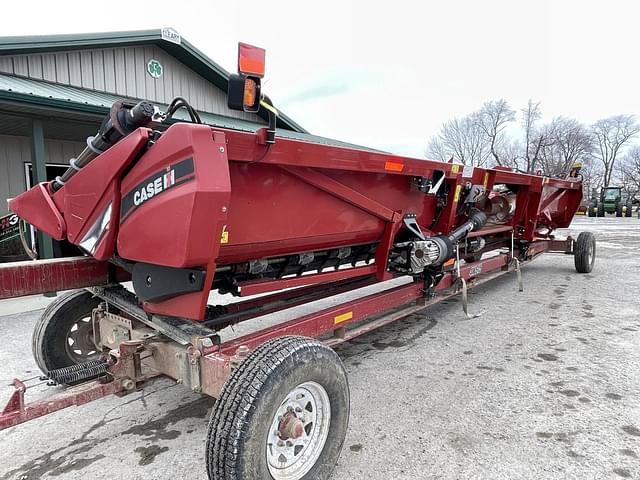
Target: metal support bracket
[
  {"x": 463, "y": 288},
  {"x": 184, "y": 332},
  {"x": 518, "y": 270},
  {"x": 411, "y": 223}
]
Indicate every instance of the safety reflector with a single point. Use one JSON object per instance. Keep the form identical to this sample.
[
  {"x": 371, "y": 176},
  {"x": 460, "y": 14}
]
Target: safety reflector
[
  {"x": 342, "y": 318},
  {"x": 393, "y": 166},
  {"x": 251, "y": 60}
]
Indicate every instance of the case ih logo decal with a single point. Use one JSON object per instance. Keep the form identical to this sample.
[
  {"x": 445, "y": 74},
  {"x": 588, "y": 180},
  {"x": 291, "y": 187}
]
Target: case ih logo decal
[{"x": 170, "y": 177}]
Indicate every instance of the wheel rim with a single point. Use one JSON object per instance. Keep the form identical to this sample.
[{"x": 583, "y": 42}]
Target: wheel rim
[
  {"x": 79, "y": 342},
  {"x": 298, "y": 432},
  {"x": 590, "y": 255}
]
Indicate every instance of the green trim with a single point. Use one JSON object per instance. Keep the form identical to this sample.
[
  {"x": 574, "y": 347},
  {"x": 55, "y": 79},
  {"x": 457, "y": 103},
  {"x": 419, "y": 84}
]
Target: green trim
[
  {"x": 44, "y": 96},
  {"x": 52, "y": 103},
  {"x": 185, "y": 52},
  {"x": 45, "y": 244}
]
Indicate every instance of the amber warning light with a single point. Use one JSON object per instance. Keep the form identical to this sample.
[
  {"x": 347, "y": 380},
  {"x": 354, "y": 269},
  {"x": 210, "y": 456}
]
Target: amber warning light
[{"x": 244, "y": 87}]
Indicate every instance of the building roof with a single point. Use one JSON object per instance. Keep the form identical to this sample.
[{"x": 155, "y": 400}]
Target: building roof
[
  {"x": 177, "y": 47},
  {"x": 39, "y": 93}
]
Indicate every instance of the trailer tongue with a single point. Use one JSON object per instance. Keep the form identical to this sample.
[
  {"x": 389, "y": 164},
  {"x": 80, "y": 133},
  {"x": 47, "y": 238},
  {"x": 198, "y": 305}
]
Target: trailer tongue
[{"x": 191, "y": 208}]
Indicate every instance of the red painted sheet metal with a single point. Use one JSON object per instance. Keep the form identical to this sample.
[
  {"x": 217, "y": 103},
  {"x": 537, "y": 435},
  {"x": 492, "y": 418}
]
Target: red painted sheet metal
[
  {"x": 30, "y": 278},
  {"x": 318, "y": 323}
]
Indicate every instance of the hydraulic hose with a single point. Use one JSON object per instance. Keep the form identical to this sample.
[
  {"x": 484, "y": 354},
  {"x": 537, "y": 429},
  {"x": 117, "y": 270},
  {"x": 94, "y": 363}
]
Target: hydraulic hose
[{"x": 122, "y": 120}]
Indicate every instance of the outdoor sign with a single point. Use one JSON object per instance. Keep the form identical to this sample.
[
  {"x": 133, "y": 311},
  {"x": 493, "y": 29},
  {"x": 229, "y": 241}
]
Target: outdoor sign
[
  {"x": 9, "y": 227},
  {"x": 154, "y": 67},
  {"x": 170, "y": 35}
]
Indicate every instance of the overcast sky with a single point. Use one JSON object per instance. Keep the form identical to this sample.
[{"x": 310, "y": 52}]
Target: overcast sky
[{"x": 387, "y": 74}]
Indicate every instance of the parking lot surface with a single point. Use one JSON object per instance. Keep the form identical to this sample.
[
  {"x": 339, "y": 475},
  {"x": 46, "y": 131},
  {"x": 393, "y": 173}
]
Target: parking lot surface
[{"x": 545, "y": 384}]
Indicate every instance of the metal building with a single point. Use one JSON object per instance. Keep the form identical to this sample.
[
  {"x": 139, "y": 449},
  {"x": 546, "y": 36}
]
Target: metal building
[{"x": 55, "y": 90}]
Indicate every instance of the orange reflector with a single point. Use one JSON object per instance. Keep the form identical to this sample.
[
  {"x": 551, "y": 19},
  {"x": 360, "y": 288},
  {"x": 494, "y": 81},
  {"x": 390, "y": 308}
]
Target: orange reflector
[
  {"x": 449, "y": 262},
  {"x": 393, "y": 166},
  {"x": 251, "y": 60},
  {"x": 250, "y": 89}
]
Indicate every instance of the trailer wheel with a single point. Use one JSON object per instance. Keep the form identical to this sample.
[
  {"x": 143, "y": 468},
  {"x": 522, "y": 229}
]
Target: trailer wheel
[
  {"x": 584, "y": 255},
  {"x": 63, "y": 335},
  {"x": 282, "y": 414}
]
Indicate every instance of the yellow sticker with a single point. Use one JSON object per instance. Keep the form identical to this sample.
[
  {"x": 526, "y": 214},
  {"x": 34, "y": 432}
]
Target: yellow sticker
[
  {"x": 342, "y": 318},
  {"x": 455, "y": 168},
  {"x": 224, "y": 238},
  {"x": 485, "y": 182},
  {"x": 456, "y": 197}
]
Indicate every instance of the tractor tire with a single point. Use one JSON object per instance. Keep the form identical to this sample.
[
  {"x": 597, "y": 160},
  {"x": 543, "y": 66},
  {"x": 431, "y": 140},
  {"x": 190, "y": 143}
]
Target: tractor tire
[
  {"x": 63, "y": 336},
  {"x": 619, "y": 210},
  {"x": 283, "y": 413},
  {"x": 600, "y": 209},
  {"x": 592, "y": 209},
  {"x": 629, "y": 210},
  {"x": 584, "y": 254}
]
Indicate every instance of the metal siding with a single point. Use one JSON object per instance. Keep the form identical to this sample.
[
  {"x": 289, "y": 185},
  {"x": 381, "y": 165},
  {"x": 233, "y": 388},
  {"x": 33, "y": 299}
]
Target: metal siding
[
  {"x": 6, "y": 64},
  {"x": 123, "y": 71},
  {"x": 109, "y": 70},
  {"x": 62, "y": 68},
  {"x": 86, "y": 69},
  {"x": 34, "y": 62},
  {"x": 75, "y": 75},
  {"x": 120, "y": 71},
  {"x": 130, "y": 72},
  {"x": 140, "y": 91},
  {"x": 151, "y": 83},
  {"x": 14, "y": 152},
  {"x": 49, "y": 67},
  {"x": 97, "y": 62},
  {"x": 164, "y": 89},
  {"x": 20, "y": 65},
  {"x": 52, "y": 152}
]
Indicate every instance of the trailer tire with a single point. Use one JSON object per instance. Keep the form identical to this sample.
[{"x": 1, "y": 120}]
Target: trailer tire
[
  {"x": 297, "y": 374},
  {"x": 584, "y": 255},
  {"x": 50, "y": 341}
]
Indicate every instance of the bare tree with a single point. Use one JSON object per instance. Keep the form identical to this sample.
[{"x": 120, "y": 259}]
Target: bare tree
[
  {"x": 566, "y": 141},
  {"x": 493, "y": 118},
  {"x": 461, "y": 139},
  {"x": 533, "y": 139},
  {"x": 611, "y": 134},
  {"x": 630, "y": 172}
]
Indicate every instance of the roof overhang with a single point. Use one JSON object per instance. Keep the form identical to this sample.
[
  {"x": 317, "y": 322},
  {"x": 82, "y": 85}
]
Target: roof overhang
[{"x": 183, "y": 51}]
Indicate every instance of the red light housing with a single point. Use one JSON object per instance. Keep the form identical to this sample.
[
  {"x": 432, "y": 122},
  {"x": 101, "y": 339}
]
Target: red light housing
[{"x": 251, "y": 60}]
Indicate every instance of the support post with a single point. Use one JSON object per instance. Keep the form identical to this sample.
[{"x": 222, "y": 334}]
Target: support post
[{"x": 45, "y": 244}]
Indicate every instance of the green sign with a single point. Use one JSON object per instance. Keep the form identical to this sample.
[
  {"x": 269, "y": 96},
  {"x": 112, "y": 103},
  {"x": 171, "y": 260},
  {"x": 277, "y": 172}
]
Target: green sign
[
  {"x": 9, "y": 227},
  {"x": 154, "y": 68}
]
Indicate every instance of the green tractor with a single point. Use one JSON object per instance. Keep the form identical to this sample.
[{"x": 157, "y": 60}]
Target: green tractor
[{"x": 610, "y": 201}]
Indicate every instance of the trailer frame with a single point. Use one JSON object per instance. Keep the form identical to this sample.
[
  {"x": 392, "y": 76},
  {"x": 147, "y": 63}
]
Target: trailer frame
[{"x": 194, "y": 356}]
